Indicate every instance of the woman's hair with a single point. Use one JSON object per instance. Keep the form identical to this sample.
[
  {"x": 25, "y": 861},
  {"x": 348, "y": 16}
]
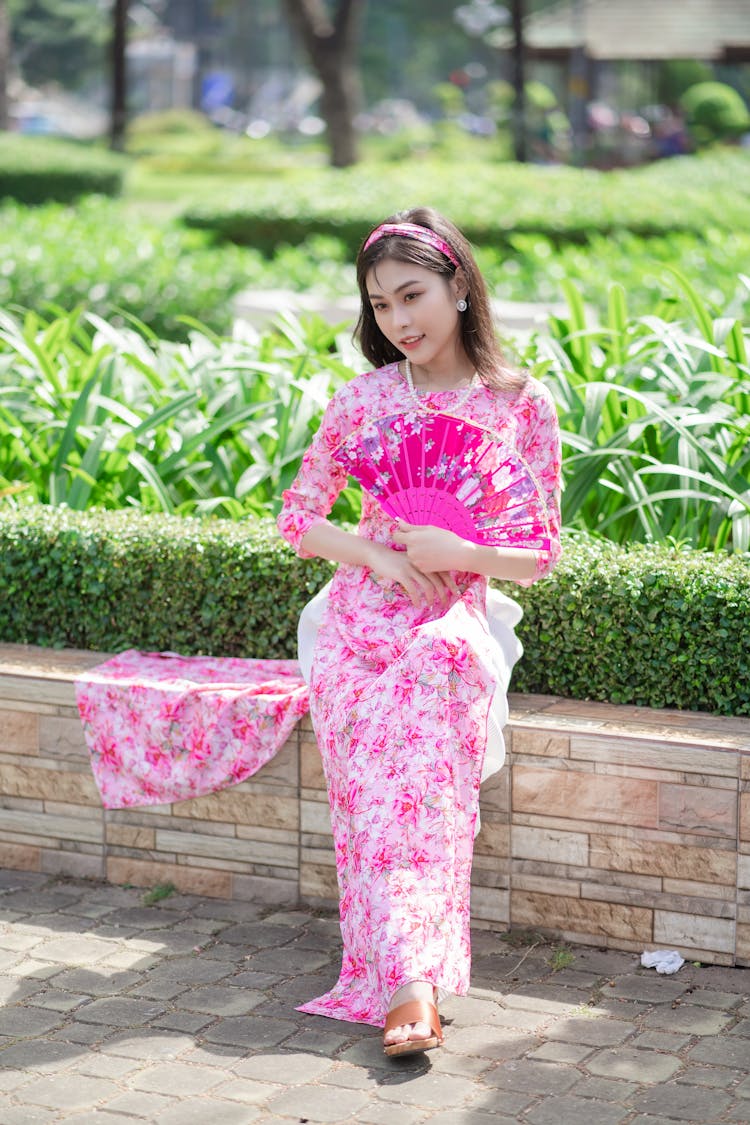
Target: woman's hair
[{"x": 478, "y": 335}]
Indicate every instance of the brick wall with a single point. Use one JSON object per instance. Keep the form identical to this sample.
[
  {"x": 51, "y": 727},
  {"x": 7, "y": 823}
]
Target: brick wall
[{"x": 620, "y": 827}]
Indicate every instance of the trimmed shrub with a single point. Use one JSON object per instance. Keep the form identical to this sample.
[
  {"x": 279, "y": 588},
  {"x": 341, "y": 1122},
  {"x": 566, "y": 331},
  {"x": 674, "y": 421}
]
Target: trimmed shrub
[
  {"x": 645, "y": 625},
  {"x": 714, "y": 112},
  {"x": 491, "y": 203},
  {"x": 40, "y": 169},
  {"x": 108, "y": 581}
]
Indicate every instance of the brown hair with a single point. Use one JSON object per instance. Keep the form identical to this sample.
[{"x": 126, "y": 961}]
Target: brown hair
[{"x": 477, "y": 328}]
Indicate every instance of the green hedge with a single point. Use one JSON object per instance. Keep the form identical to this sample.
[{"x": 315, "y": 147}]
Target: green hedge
[
  {"x": 491, "y": 203},
  {"x": 646, "y": 625},
  {"x": 42, "y": 169},
  {"x": 95, "y": 254}
]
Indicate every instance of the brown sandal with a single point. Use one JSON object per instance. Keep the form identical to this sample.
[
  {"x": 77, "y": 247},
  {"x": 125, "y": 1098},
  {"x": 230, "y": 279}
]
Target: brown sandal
[{"x": 414, "y": 1011}]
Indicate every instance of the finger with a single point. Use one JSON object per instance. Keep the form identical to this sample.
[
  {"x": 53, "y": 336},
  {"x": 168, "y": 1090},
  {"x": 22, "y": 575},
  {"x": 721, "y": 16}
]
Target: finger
[
  {"x": 428, "y": 589},
  {"x": 450, "y": 582}
]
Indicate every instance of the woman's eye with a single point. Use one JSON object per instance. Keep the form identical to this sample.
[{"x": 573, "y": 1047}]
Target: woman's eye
[{"x": 410, "y": 296}]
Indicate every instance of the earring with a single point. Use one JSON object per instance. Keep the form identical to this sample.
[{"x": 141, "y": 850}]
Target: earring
[{"x": 462, "y": 305}]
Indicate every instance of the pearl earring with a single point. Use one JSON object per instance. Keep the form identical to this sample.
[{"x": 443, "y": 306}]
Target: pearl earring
[{"x": 462, "y": 305}]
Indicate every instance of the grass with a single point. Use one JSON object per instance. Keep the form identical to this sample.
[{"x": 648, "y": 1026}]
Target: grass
[{"x": 158, "y": 893}]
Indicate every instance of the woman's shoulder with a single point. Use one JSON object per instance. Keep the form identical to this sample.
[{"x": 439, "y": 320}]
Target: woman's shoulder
[{"x": 368, "y": 385}]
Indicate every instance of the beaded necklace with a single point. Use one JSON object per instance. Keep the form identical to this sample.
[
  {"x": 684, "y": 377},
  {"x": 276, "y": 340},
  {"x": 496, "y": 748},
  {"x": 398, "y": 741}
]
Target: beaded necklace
[{"x": 421, "y": 404}]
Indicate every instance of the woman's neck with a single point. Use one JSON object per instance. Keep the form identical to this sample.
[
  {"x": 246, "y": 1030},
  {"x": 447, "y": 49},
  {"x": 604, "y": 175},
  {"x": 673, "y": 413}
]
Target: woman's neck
[{"x": 440, "y": 377}]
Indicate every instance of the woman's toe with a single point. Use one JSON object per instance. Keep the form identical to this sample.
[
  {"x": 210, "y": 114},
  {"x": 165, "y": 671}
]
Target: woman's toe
[{"x": 420, "y": 1031}]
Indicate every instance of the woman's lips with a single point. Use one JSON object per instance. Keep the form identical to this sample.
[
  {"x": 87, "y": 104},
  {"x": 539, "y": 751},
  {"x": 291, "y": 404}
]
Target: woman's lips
[{"x": 410, "y": 342}]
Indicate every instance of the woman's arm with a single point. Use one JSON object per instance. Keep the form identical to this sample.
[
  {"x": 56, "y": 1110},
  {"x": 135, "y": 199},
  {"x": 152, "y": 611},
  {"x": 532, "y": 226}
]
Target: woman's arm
[
  {"x": 433, "y": 548},
  {"x": 331, "y": 542}
]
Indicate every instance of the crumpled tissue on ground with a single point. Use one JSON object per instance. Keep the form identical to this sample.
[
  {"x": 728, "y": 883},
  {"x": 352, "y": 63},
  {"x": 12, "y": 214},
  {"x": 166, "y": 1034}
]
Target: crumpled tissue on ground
[{"x": 663, "y": 960}]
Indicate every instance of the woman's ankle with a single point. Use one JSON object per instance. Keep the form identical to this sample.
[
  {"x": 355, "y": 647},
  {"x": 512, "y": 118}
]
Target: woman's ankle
[{"x": 413, "y": 990}]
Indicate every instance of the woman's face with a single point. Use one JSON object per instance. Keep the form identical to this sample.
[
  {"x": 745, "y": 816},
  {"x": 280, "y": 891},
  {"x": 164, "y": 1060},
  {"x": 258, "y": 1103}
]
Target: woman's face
[{"x": 415, "y": 309}]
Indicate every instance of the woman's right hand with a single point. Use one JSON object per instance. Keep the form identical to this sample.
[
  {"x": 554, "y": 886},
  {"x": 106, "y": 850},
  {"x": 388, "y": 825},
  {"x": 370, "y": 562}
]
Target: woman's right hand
[{"x": 394, "y": 566}]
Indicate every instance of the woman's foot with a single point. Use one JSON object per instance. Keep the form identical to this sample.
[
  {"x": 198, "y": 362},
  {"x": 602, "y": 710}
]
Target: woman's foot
[{"x": 421, "y": 1034}]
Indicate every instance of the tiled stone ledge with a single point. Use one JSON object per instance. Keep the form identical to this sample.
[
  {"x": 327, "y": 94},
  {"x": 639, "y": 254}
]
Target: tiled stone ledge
[{"x": 620, "y": 827}]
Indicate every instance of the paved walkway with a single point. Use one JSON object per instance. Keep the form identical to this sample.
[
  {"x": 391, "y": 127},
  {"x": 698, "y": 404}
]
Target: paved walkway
[{"x": 182, "y": 1013}]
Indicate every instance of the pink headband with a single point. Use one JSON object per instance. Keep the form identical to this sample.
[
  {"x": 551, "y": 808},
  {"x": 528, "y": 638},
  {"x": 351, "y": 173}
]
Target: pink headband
[{"x": 419, "y": 234}]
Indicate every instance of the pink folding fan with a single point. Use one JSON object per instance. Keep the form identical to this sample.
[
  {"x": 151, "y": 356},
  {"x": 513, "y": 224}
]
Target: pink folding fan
[{"x": 438, "y": 469}]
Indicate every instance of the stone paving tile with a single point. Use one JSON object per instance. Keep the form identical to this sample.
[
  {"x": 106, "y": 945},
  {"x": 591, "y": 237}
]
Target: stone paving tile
[
  {"x": 429, "y": 1091},
  {"x": 721, "y": 1051},
  {"x": 25, "y": 1115},
  {"x": 63, "y": 1092},
  {"x": 291, "y": 1069},
  {"x": 183, "y": 1021},
  {"x": 560, "y": 1052},
  {"x": 594, "y": 1032},
  {"x": 318, "y": 1103},
  {"x": 604, "y": 1089},
  {"x": 491, "y": 1042},
  {"x": 568, "y": 1110},
  {"x": 469, "y": 1117},
  {"x": 184, "y": 1014},
  {"x": 718, "y": 1076},
  {"x": 683, "y": 1103},
  {"x": 660, "y": 1041},
  {"x": 136, "y": 1103},
  {"x": 636, "y": 1066},
  {"x": 176, "y": 1080},
  {"x": 221, "y": 1000},
  {"x": 532, "y": 1077},
  {"x": 27, "y": 1023},
  {"x": 689, "y": 1018},
  {"x": 147, "y": 1044},
  {"x": 246, "y": 1091},
  {"x": 376, "y": 1113},
  {"x": 710, "y": 999}
]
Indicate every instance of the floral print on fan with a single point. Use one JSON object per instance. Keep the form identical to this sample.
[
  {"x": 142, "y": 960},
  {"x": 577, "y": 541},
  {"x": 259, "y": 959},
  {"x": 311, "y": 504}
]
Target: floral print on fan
[
  {"x": 162, "y": 727},
  {"x": 399, "y": 698}
]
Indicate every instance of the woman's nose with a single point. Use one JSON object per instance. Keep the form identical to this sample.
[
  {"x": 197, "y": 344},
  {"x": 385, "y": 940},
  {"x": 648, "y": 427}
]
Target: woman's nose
[{"x": 402, "y": 316}]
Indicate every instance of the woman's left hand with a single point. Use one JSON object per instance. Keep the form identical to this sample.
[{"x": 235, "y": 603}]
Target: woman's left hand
[{"x": 432, "y": 549}]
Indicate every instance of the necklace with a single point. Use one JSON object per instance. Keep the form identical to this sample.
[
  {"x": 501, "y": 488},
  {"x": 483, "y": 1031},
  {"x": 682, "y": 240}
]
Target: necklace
[{"x": 421, "y": 405}]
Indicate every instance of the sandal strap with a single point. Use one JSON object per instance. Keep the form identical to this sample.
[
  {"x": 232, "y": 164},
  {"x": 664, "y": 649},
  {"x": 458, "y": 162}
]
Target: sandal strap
[{"x": 415, "y": 1011}]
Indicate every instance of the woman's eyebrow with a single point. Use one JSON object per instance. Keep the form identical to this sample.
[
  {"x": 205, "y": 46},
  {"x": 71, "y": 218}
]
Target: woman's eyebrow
[{"x": 404, "y": 285}]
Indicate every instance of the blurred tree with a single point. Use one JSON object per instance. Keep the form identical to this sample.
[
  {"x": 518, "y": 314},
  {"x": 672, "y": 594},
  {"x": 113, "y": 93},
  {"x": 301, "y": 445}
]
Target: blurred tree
[
  {"x": 331, "y": 40},
  {"x": 59, "y": 42},
  {"x": 119, "y": 83},
  {"x": 4, "y": 63}
]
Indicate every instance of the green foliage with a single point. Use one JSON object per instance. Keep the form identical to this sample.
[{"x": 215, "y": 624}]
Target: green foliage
[
  {"x": 58, "y": 42},
  {"x": 648, "y": 625},
  {"x": 95, "y": 416},
  {"x": 97, "y": 256},
  {"x": 109, "y": 581},
  {"x": 158, "y": 893},
  {"x": 714, "y": 112},
  {"x": 38, "y": 169},
  {"x": 492, "y": 203},
  {"x": 655, "y": 417},
  {"x": 533, "y": 268}
]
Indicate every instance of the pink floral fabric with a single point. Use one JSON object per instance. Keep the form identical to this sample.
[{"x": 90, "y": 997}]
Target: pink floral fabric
[
  {"x": 399, "y": 697},
  {"x": 162, "y": 727}
]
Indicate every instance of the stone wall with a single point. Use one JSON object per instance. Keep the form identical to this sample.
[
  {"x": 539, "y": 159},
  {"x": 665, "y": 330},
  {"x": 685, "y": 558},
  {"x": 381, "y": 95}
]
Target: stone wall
[{"x": 620, "y": 827}]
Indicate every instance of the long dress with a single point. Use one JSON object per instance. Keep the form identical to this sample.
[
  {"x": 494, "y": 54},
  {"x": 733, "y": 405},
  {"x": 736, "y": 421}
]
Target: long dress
[{"x": 400, "y": 699}]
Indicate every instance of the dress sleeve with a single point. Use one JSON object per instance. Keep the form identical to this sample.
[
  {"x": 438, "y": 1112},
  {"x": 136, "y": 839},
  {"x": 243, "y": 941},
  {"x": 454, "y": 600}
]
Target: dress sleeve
[
  {"x": 540, "y": 445},
  {"x": 319, "y": 481}
]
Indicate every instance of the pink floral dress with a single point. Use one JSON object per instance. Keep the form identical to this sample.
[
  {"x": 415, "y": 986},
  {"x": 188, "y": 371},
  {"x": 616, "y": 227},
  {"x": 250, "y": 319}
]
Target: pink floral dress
[{"x": 400, "y": 699}]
